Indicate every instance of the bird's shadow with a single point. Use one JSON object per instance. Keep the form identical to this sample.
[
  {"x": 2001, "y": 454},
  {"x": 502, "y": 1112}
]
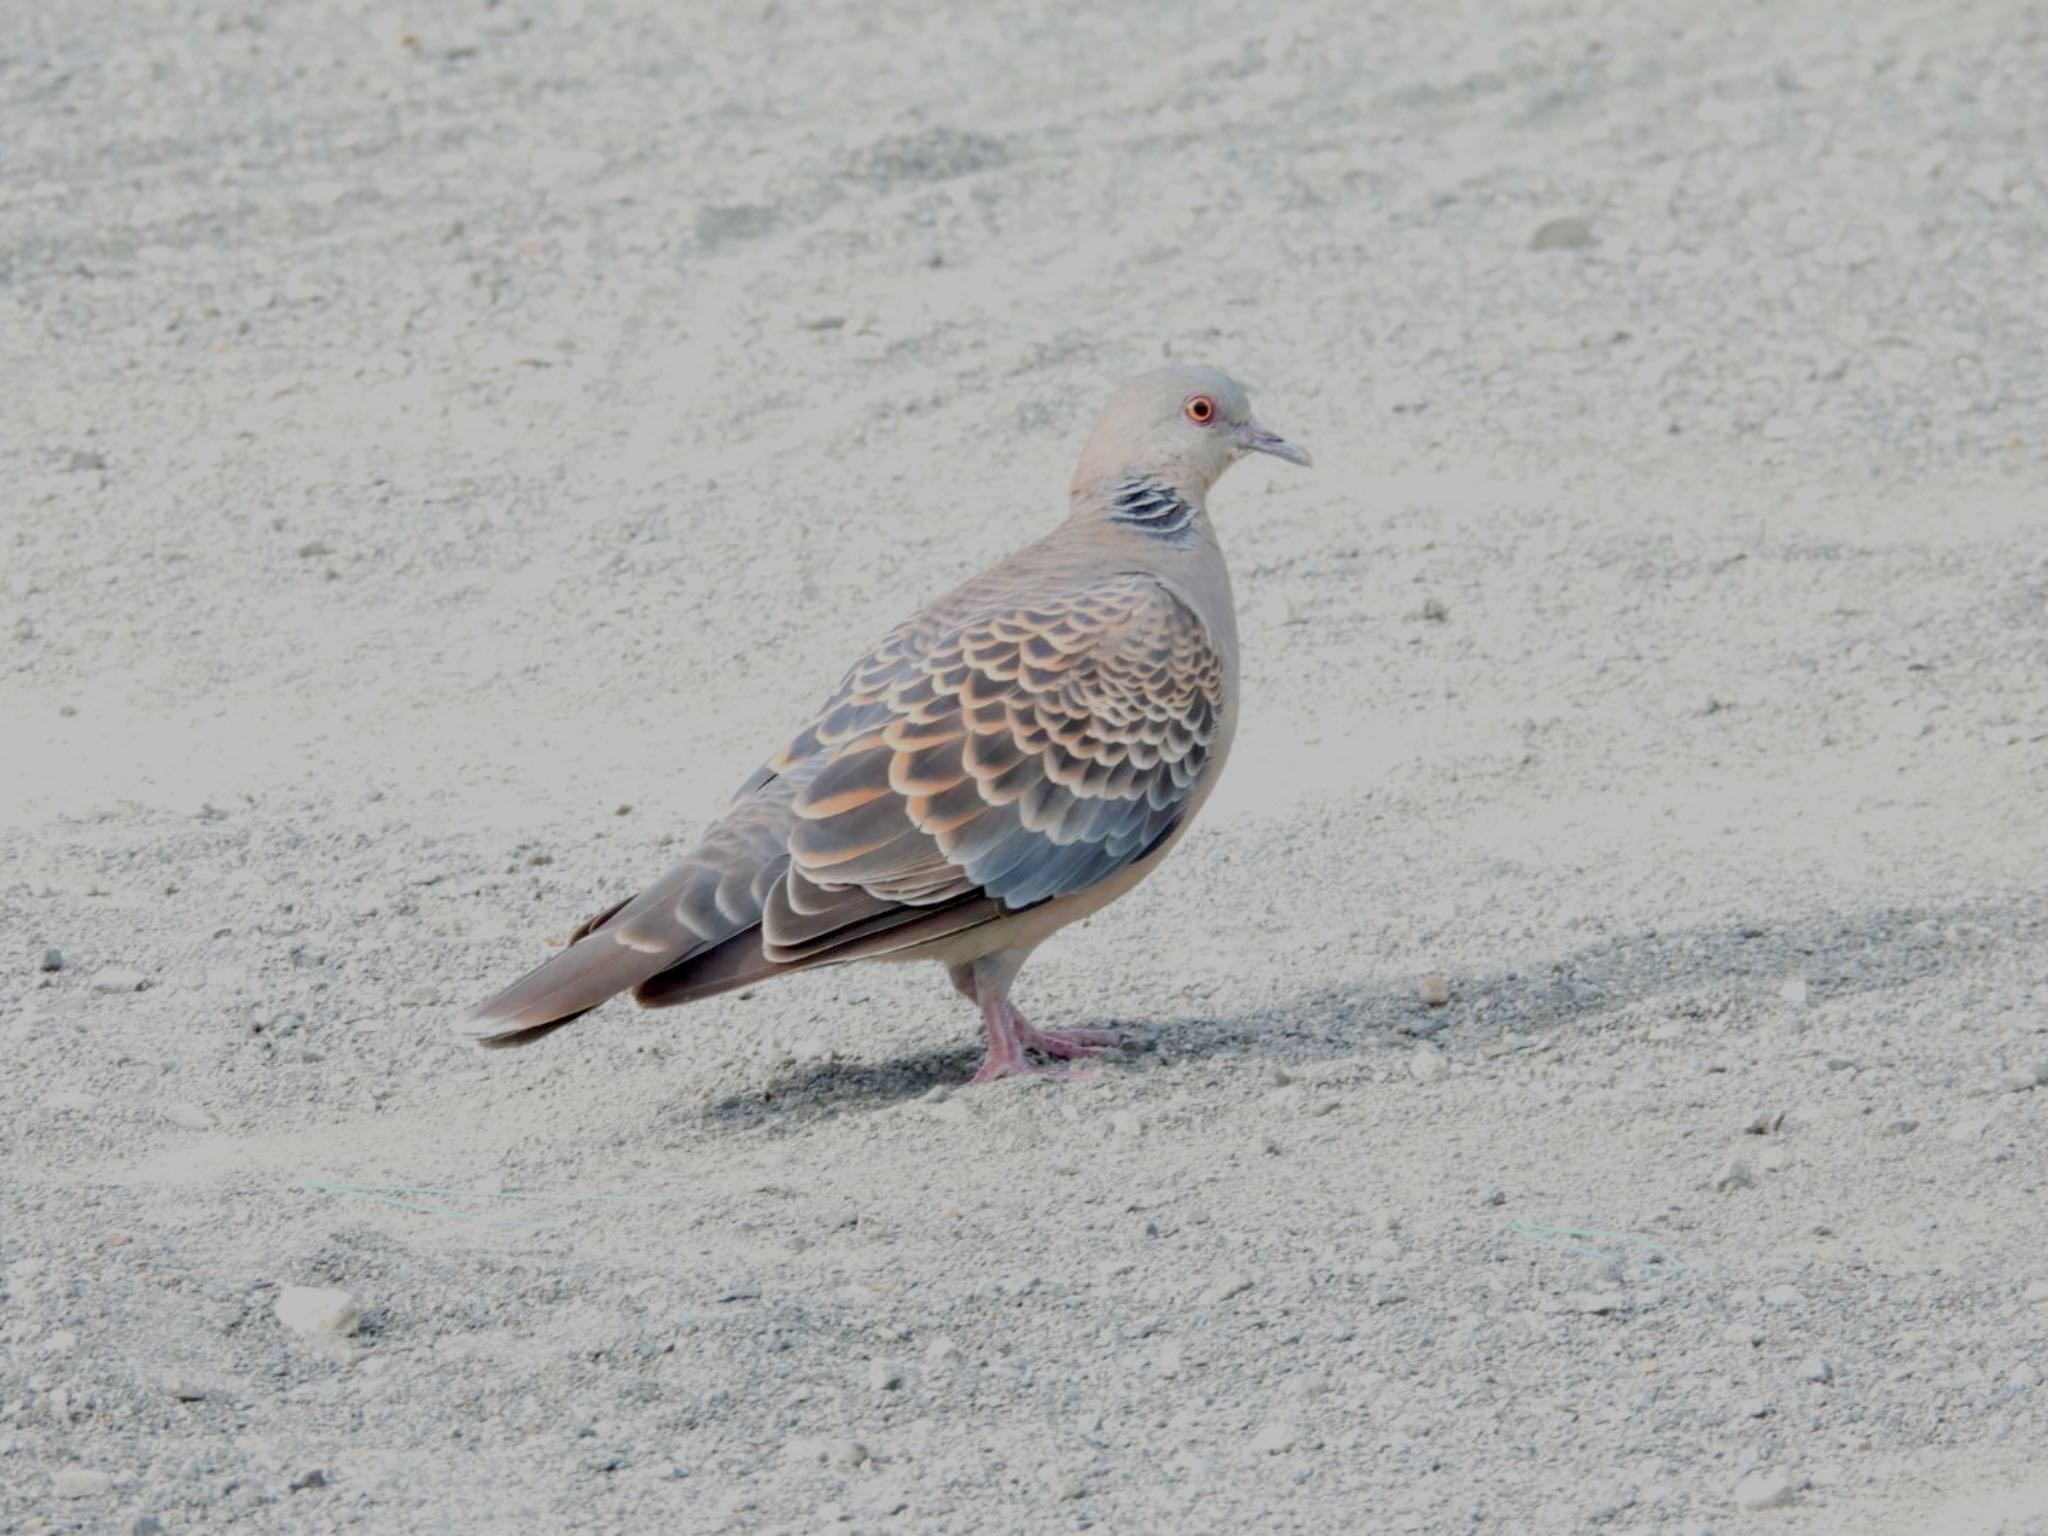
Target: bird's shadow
[{"x": 1731, "y": 969}]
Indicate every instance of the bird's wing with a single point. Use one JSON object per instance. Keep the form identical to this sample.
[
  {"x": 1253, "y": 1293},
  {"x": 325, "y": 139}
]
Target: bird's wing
[
  {"x": 963, "y": 770},
  {"x": 1020, "y": 756}
]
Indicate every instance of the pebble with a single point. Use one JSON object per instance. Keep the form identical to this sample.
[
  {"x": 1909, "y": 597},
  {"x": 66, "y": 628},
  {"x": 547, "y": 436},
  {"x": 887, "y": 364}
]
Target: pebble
[
  {"x": 951, "y": 1111},
  {"x": 70, "y": 1099},
  {"x": 1795, "y": 992},
  {"x": 53, "y": 959},
  {"x": 1765, "y": 1490},
  {"x": 312, "y": 1477},
  {"x": 145, "y": 1525},
  {"x": 1063, "y": 1485},
  {"x": 1427, "y": 1063},
  {"x": 1594, "y": 1303},
  {"x": 184, "y": 1389},
  {"x": 1434, "y": 991},
  {"x": 317, "y": 1309},
  {"x": 844, "y": 1454},
  {"x": 1968, "y": 1130},
  {"x": 1774, "y": 1159},
  {"x": 1813, "y": 1368},
  {"x": 941, "y": 1350},
  {"x": 1783, "y": 1296},
  {"x": 2036, "y": 1293},
  {"x": 1901, "y": 1127},
  {"x": 1223, "y": 1287},
  {"x": 81, "y": 1483},
  {"x": 884, "y": 1375},
  {"x": 1125, "y": 1123},
  {"x": 1275, "y": 1439},
  {"x": 1562, "y": 235},
  {"x": 190, "y": 1116},
  {"x": 1734, "y": 1174},
  {"x": 117, "y": 980},
  {"x": 1742, "y": 1333}
]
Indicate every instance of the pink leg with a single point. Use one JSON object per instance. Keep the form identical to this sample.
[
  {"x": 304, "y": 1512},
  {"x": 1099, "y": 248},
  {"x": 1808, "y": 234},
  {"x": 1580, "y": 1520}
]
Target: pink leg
[{"x": 1010, "y": 1034}]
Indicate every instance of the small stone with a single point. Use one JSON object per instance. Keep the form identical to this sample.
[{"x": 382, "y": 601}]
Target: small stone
[
  {"x": 317, "y": 1309},
  {"x": 884, "y": 1375},
  {"x": 190, "y": 1116},
  {"x": 184, "y": 1389},
  {"x": 844, "y": 1454},
  {"x": 1813, "y": 1368},
  {"x": 1742, "y": 1333},
  {"x": 1733, "y": 1174},
  {"x": 145, "y": 1525},
  {"x": 118, "y": 980},
  {"x": 62, "y": 1342},
  {"x": 1774, "y": 1159},
  {"x": 1765, "y": 1490},
  {"x": 1275, "y": 1439},
  {"x": 1783, "y": 1296},
  {"x": 1427, "y": 1064},
  {"x": 951, "y": 1111},
  {"x": 53, "y": 959},
  {"x": 941, "y": 1350},
  {"x": 1063, "y": 1486},
  {"x": 1901, "y": 1127},
  {"x": 312, "y": 1477},
  {"x": 1223, "y": 1287},
  {"x": 1434, "y": 991},
  {"x": 1594, "y": 1303},
  {"x": 81, "y": 1483},
  {"x": 1795, "y": 992},
  {"x": 313, "y": 549},
  {"x": 69, "y": 1099},
  {"x": 1562, "y": 235},
  {"x": 1125, "y": 1123},
  {"x": 1493, "y": 1194},
  {"x": 1968, "y": 1130},
  {"x": 1434, "y": 612},
  {"x": 2036, "y": 1293}
]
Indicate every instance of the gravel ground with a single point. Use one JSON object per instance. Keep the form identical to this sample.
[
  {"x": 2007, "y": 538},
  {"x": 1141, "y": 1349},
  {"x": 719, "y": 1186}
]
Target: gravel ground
[{"x": 444, "y": 447}]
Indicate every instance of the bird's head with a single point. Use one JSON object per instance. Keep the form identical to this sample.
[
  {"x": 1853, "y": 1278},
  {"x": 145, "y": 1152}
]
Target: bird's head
[{"x": 1182, "y": 426}]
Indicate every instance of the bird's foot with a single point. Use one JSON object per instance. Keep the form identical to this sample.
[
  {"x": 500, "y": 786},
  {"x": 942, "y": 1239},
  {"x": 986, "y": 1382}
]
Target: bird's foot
[
  {"x": 1010, "y": 1035},
  {"x": 996, "y": 1065},
  {"x": 1066, "y": 1044}
]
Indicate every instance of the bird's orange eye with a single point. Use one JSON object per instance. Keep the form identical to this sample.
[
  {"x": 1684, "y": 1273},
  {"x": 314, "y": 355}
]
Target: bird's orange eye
[{"x": 1201, "y": 410}]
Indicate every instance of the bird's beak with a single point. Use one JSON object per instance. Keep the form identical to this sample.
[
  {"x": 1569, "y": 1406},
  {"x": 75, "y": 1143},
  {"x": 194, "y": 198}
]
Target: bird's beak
[{"x": 1256, "y": 439}]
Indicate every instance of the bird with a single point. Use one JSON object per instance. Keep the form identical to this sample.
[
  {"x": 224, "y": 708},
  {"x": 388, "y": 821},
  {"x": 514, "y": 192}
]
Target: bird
[{"x": 1009, "y": 759}]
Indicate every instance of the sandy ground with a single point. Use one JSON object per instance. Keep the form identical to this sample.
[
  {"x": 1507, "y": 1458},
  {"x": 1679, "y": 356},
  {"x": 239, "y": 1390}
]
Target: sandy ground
[{"x": 444, "y": 446}]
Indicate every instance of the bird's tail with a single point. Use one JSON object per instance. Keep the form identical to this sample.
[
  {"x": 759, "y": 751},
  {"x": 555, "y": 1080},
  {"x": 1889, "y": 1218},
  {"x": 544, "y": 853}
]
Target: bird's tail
[{"x": 598, "y": 964}]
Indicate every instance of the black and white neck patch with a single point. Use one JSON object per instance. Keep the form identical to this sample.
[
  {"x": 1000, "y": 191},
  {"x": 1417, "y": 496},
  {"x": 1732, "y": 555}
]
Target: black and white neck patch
[{"x": 1146, "y": 504}]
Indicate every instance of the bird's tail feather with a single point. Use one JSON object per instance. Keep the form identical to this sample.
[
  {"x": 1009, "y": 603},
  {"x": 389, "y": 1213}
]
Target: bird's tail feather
[{"x": 564, "y": 988}]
